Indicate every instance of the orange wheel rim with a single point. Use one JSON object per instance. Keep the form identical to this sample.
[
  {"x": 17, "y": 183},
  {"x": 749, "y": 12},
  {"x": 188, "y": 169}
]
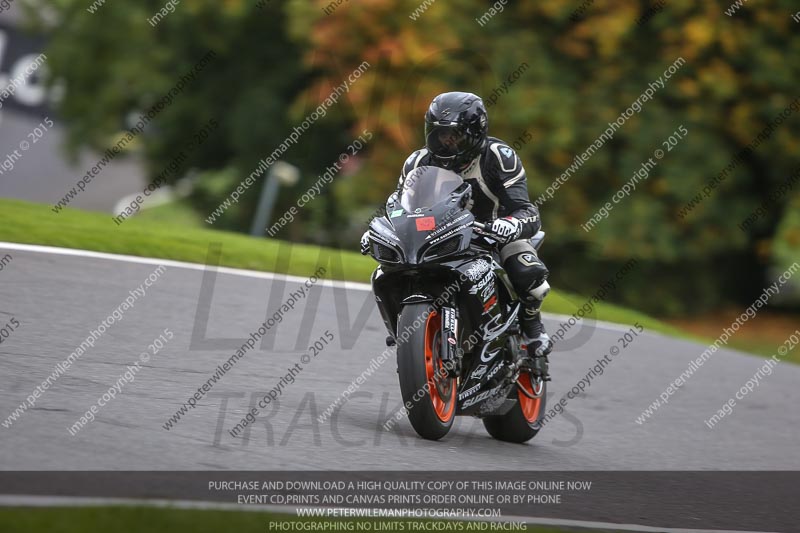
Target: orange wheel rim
[
  {"x": 441, "y": 389},
  {"x": 530, "y": 407}
]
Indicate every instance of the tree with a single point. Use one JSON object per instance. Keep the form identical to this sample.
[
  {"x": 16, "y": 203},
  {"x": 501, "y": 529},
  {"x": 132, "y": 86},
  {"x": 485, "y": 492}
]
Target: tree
[
  {"x": 114, "y": 65},
  {"x": 582, "y": 70}
]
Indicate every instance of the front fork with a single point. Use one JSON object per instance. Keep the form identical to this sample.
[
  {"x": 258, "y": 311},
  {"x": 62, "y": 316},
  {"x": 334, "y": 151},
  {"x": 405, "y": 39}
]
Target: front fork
[{"x": 451, "y": 359}]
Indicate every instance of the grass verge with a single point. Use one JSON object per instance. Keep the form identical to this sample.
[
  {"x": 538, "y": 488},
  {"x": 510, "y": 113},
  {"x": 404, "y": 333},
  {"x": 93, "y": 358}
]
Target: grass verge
[{"x": 30, "y": 223}]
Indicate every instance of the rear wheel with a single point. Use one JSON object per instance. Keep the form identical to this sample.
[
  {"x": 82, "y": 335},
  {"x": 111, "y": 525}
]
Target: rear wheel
[
  {"x": 522, "y": 422},
  {"x": 428, "y": 394}
]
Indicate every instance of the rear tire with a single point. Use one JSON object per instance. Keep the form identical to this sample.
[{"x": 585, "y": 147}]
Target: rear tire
[
  {"x": 428, "y": 394},
  {"x": 523, "y": 421}
]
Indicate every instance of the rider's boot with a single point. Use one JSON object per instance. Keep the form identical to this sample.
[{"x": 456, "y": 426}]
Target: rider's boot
[{"x": 538, "y": 342}]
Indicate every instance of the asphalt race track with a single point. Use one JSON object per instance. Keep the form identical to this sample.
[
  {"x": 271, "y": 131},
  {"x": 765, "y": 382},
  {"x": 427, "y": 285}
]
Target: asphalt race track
[{"x": 58, "y": 298}]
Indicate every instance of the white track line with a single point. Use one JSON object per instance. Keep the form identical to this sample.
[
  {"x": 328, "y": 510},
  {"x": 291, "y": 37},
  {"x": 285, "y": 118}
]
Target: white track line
[
  {"x": 72, "y": 501},
  {"x": 231, "y": 271},
  {"x": 175, "y": 264}
]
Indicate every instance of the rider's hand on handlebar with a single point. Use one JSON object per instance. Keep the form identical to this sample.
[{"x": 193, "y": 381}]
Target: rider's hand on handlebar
[{"x": 505, "y": 230}]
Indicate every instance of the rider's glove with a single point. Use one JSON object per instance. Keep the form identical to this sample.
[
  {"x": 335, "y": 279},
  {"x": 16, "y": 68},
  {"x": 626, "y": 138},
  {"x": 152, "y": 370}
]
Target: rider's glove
[
  {"x": 505, "y": 230},
  {"x": 365, "y": 243}
]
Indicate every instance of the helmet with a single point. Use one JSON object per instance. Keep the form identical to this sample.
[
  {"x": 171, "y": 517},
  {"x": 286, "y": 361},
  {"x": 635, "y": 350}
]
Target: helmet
[{"x": 455, "y": 129}]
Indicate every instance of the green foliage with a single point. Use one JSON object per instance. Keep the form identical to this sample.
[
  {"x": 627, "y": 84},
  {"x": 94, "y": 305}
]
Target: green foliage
[
  {"x": 787, "y": 239},
  {"x": 210, "y": 187},
  {"x": 113, "y": 65},
  {"x": 273, "y": 66},
  {"x": 582, "y": 75}
]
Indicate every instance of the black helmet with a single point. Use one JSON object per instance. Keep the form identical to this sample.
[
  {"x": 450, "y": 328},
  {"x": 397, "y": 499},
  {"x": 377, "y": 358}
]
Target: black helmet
[{"x": 455, "y": 129}]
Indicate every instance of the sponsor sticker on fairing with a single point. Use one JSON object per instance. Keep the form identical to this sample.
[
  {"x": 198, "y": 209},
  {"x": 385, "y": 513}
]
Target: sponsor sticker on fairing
[
  {"x": 477, "y": 269},
  {"x": 494, "y": 371},
  {"x": 426, "y": 223},
  {"x": 478, "y": 398},
  {"x": 469, "y": 392},
  {"x": 479, "y": 372}
]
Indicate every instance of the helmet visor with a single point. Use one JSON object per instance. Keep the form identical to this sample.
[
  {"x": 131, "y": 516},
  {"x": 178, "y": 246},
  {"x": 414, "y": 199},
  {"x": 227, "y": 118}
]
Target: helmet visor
[{"x": 446, "y": 142}]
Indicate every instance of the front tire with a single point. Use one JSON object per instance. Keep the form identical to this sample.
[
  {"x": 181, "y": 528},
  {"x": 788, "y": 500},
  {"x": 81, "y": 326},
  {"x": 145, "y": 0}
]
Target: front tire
[
  {"x": 523, "y": 421},
  {"x": 428, "y": 394}
]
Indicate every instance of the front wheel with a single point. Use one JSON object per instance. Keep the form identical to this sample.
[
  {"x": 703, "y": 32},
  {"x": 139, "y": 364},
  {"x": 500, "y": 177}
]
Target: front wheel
[
  {"x": 523, "y": 421},
  {"x": 428, "y": 393}
]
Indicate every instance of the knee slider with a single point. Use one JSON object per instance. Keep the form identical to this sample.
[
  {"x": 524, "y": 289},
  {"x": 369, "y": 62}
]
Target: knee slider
[
  {"x": 528, "y": 275},
  {"x": 541, "y": 291}
]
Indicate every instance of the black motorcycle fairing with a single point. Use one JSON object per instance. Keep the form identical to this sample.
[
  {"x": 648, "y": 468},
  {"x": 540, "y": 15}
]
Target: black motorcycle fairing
[
  {"x": 385, "y": 244},
  {"x": 389, "y": 312},
  {"x": 483, "y": 310},
  {"x": 395, "y": 286},
  {"x": 431, "y": 251},
  {"x": 425, "y": 221}
]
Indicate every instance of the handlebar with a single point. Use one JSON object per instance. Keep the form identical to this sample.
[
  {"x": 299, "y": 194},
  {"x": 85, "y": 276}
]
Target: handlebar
[
  {"x": 479, "y": 225},
  {"x": 482, "y": 230}
]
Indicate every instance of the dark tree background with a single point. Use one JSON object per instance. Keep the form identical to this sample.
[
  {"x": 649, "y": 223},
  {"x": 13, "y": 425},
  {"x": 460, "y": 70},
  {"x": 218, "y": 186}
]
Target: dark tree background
[{"x": 275, "y": 64}]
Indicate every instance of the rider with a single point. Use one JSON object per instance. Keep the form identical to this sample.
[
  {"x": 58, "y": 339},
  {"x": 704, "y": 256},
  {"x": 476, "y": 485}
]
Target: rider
[{"x": 456, "y": 139}]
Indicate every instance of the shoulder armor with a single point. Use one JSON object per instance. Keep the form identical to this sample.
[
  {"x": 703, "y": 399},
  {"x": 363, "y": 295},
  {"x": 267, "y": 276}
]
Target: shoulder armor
[
  {"x": 413, "y": 161},
  {"x": 507, "y": 160},
  {"x": 504, "y": 164}
]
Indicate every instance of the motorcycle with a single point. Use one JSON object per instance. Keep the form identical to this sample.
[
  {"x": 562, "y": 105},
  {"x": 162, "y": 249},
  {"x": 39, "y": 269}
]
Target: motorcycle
[{"x": 452, "y": 312}]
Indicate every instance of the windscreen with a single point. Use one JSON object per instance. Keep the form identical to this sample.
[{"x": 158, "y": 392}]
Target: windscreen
[{"x": 427, "y": 186}]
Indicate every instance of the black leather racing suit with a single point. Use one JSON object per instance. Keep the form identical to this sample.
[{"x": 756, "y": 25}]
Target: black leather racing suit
[{"x": 500, "y": 189}]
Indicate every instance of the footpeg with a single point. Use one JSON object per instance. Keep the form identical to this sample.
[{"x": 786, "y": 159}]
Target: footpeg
[
  {"x": 538, "y": 365},
  {"x": 540, "y": 368}
]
